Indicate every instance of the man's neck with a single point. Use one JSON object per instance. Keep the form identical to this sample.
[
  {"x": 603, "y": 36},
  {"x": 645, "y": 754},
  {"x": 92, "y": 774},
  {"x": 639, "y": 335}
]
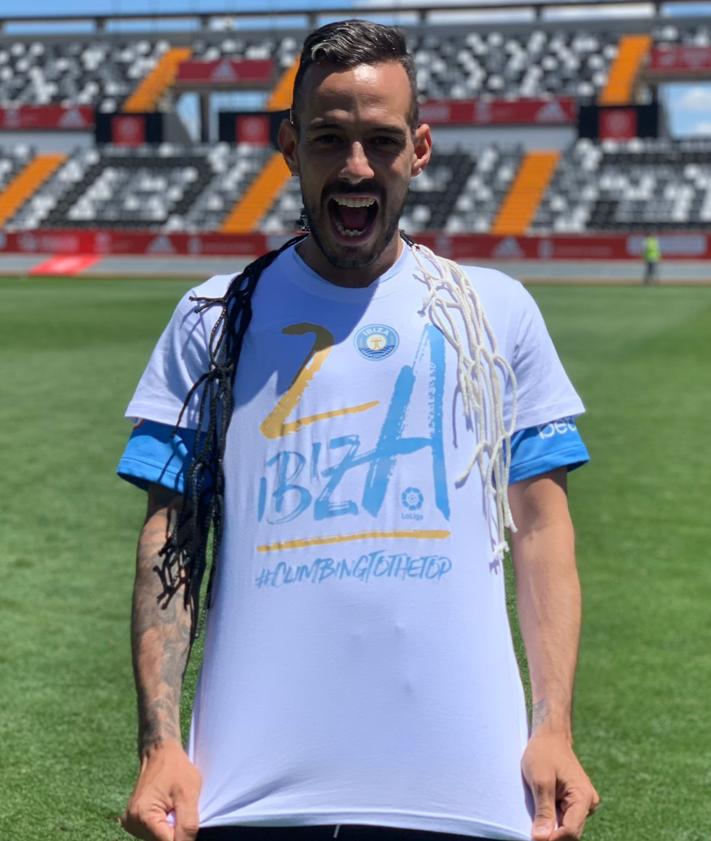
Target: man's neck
[{"x": 315, "y": 259}]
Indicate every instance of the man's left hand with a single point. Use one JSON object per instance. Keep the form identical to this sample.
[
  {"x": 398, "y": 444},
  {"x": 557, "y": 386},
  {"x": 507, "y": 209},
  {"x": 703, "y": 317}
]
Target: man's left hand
[{"x": 562, "y": 792}]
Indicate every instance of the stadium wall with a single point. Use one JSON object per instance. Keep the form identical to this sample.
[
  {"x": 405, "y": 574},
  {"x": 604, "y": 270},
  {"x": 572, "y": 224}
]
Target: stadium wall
[
  {"x": 52, "y": 141},
  {"x": 602, "y": 247},
  {"x": 529, "y": 137},
  {"x": 444, "y": 25}
]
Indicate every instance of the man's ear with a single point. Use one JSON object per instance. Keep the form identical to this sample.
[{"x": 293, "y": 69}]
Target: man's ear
[
  {"x": 423, "y": 148},
  {"x": 288, "y": 141}
]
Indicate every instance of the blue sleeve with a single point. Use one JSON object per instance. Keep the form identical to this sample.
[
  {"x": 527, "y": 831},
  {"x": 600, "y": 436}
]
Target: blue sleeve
[
  {"x": 539, "y": 449},
  {"x": 157, "y": 453}
]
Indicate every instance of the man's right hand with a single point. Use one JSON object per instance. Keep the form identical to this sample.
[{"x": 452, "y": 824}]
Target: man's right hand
[{"x": 168, "y": 785}]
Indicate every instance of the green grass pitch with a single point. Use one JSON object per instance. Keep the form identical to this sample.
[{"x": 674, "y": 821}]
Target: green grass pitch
[{"x": 72, "y": 351}]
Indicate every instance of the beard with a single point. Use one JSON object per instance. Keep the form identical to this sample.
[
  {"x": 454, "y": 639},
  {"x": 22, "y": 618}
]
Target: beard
[{"x": 318, "y": 223}]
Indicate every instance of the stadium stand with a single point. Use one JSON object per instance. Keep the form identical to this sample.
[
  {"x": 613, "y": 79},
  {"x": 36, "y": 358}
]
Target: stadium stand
[
  {"x": 12, "y": 161},
  {"x": 462, "y": 191},
  {"x": 285, "y": 212},
  {"x": 249, "y": 210},
  {"x": 140, "y": 189},
  {"x": 523, "y": 199},
  {"x": 692, "y": 34},
  {"x": 234, "y": 168},
  {"x": 193, "y": 188},
  {"x": 27, "y": 182},
  {"x": 459, "y": 66},
  {"x": 75, "y": 72},
  {"x": 658, "y": 183},
  {"x": 159, "y": 79},
  {"x": 501, "y": 65},
  {"x": 283, "y": 50},
  {"x": 34, "y": 212},
  {"x": 621, "y": 81},
  {"x": 166, "y": 187}
]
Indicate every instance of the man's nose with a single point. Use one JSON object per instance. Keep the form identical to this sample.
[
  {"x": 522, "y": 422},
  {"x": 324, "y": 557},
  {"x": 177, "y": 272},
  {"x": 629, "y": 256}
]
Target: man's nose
[{"x": 356, "y": 166}]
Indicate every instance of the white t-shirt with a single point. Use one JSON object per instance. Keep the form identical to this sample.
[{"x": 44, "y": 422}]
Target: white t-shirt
[{"x": 358, "y": 661}]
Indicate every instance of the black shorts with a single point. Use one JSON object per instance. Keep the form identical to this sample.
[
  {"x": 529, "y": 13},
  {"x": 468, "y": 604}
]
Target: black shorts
[{"x": 343, "y": 832}]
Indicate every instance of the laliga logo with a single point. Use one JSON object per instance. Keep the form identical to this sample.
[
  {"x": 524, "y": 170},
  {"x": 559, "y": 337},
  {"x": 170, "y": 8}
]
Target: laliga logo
[
  {"x": 412, "y": 499},
  {"x": 376, "y": 341}
]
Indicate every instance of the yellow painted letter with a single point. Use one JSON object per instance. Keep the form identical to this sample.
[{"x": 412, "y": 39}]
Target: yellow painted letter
[{"x": 275, "y": 424}]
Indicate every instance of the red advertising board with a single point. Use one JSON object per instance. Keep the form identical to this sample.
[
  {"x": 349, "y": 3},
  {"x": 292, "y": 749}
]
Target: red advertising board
[
  {"x": 47, "y": 117},
  {"x": 225, "y": 71},
  {"x": 617, "y": 124},
  {"x": 674, "y": 246},
  {"x": 481, "y": 112},
  {"x": 106, "y": 242},
  {"x": 463, "y": 247},
  {"x": 680, "y": 59}
]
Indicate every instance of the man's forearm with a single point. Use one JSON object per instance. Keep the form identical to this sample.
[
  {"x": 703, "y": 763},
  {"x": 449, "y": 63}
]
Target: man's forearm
[
  {"x": 160, "y": 634},
  {"x": 164, "y": 802},
  {"x": 549, "y": 607},
  {"x": 548, "y": 594}
]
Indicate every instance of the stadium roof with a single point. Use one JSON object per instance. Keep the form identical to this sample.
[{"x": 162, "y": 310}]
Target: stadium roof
[{"x": 311, "y": 13}]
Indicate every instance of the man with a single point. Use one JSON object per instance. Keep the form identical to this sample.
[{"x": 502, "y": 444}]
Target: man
[
  {"x": 652, "y": 255},
  {"x": 348, "y": 413}
]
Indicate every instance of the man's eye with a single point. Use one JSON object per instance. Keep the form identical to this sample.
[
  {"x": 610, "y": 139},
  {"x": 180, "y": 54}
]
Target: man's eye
[
  {"x": 384, "y": 141},
  {"x": 327, "y": 139}
]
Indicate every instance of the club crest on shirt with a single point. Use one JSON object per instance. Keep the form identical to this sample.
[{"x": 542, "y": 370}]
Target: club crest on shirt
[{"x": 376, "y": 341}]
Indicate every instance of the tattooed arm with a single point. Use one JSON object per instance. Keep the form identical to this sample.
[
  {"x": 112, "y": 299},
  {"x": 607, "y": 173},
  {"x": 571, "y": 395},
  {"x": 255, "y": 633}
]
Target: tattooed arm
[
  {"x": 160, "y": 637},
  {"x": 548, "y": 595}
]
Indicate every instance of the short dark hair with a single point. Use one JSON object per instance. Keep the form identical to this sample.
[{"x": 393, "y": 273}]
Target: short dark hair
[{"x": 348, "y": 43}]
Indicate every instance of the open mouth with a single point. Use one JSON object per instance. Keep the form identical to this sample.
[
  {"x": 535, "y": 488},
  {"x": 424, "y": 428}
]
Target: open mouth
[{"x": 353, "y": 217}]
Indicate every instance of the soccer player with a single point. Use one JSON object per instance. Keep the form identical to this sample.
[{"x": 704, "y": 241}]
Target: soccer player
[{"x": 360, "y": 421}]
